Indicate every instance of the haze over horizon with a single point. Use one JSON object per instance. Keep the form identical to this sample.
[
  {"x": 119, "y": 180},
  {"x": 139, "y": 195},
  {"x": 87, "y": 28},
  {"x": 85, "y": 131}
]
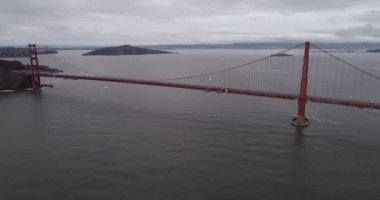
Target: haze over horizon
[{"x": 114, "y": 22}]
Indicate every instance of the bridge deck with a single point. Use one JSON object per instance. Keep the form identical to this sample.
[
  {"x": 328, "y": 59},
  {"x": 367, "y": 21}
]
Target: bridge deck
[{"x": 358, "y": 104}]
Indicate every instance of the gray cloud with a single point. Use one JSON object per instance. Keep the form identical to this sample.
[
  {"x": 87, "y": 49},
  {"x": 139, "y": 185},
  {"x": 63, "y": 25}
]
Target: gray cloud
[
  {"x": 182, "y": 21},
  {"x": 371, "y": 16},
  {"x": 367, "y": 31},
  {"x": 171, "y": 8}
]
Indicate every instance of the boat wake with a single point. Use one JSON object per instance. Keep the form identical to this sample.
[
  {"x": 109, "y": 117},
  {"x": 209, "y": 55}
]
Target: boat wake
[
  {"x": 314, "y": 116},
  {"x": 7, "y": 91}
]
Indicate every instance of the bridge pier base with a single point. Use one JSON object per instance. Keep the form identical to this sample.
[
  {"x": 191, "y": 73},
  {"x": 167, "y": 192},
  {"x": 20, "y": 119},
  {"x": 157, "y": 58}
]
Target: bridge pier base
[{"x": 301, "y": 120}]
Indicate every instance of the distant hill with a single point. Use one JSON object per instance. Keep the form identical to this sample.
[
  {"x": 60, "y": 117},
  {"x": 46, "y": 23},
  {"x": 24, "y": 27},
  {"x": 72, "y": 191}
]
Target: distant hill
[
  {"x": 11, "y": 52},
  {"x": 14, "y": 81},
  {"x": 124, "y": 50},
  {"x": 11, "y": 80},
  {"x": 18, "y": 66},
  {"x": 281, "y": 55},
  {"x": 374, "y": 51}
]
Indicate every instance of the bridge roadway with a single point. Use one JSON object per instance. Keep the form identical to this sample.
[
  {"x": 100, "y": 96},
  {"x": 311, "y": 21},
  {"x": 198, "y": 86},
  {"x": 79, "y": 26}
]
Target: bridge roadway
[{"x": 358, "y": 104}]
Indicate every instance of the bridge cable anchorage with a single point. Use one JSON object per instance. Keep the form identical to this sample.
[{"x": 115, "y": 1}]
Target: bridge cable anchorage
[
  {"x": 231, "y": 67},
  {"x": 347, "y": 63}
]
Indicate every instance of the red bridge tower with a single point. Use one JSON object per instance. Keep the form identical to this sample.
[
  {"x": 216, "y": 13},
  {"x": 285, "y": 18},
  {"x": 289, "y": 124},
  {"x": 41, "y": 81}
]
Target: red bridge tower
[
  {"x": 35, "y": 70},
  {"x": 301, "y": 120}
]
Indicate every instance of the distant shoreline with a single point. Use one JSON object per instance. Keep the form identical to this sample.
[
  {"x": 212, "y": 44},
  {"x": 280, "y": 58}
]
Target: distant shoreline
[
  {"x": 13, "y": 52},
  {"x": 365, "y": 46}
]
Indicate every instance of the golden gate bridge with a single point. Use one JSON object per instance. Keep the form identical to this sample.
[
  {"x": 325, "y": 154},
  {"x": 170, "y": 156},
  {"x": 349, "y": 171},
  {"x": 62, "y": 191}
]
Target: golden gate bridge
[{"x": 312, "y": 75}]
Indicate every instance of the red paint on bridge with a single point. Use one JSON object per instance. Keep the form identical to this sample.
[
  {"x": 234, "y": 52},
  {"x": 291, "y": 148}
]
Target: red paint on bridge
[
  {"x": 175, "y": 85},
  {"x": 358, "y": 104}
]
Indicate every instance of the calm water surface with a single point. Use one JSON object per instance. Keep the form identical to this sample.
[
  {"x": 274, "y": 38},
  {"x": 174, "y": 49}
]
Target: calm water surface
[{"x": 79, "y": 140}]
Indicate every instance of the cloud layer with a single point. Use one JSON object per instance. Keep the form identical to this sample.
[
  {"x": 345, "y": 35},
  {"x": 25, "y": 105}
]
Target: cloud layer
[{"x": 101, "y": 22}]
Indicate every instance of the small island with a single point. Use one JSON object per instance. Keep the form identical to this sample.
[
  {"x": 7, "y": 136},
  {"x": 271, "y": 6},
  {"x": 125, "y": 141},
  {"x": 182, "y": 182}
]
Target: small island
[
  {"x": 11, "y": 80},
  {"x": 12, "y": 52},
  {"x": 124, "y": 50},
  {"x": 374, "y": 51},
  {"x": 280, "y": 55}
]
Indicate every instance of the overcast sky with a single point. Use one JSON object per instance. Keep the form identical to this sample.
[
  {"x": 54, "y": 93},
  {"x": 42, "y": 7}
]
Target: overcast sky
[{"x": 103, "y": 22}]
